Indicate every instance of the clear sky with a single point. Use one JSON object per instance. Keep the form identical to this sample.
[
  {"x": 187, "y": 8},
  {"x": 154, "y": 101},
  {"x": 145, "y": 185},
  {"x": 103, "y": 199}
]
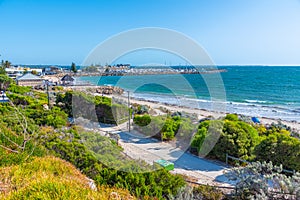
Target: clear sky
[{"x": 231, "y": 31}]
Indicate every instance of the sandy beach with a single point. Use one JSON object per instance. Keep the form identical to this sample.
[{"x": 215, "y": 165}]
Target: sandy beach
[{"x": 201, "y": 113}]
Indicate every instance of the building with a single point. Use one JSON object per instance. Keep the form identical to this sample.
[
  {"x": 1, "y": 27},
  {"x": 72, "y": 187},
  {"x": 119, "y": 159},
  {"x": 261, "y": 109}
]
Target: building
[
  {"x": 15, "y": 71},
  {"x": 68, "y": 80},
  {"x": 29, "y": 80}
]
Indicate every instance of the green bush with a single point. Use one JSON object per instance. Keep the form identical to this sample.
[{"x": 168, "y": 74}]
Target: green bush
[
  {"x": 237, "y": 138},
  {"x": 164, "y": 127},
  {"x": 97, "y": 109},
  {"x": 59, "y": 88},
  {"x": 94, "y": 155},
  {"x": 232, "y": 117},
  {"x": 142, "y": 120},
  {"x": 281, "y": 149},
  {"x": 18, "y": 89},
  {"x": 207, "y": 192}
]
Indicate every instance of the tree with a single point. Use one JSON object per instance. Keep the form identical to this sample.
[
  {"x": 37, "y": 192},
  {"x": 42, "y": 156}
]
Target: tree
[
  {"x": 2, "y": 68},
  {"x": 4, "y": 81},
  {"x": 7, "y": 64},
  {"x": 34, "y": 72},
  {"x": 73, "y": 67},
  {"x": 25, "y": 71}
]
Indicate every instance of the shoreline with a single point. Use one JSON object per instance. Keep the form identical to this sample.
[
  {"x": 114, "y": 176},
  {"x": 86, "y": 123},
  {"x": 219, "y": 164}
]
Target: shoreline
[{"x": 202, "y": 113}]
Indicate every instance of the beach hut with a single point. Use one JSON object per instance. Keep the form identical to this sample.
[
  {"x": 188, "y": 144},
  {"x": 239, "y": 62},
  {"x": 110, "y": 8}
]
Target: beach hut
[
  {"x": 165, "y": 164},
  {"x": 255, "y": 120}
]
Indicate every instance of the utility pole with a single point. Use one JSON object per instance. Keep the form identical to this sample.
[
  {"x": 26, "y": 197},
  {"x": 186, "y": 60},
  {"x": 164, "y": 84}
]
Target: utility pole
[
  {"x": 128, "y": 112},
  {"x": 47, "y": 84}
]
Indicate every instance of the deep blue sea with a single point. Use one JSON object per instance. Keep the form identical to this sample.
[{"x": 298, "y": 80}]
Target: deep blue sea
[{"x": 261, "y": 91}]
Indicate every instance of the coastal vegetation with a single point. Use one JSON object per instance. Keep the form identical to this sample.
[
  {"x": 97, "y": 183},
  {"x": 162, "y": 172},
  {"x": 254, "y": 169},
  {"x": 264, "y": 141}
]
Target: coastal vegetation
[
  {"x": 94, "y": 108},
  {"x": 73, "y": 67},
  {"x": 30, "y": 132},
  {"x": 51, "y": 178},
  {"x": 263, "y": 180},
  {"x": 164, "y": 127},
  {"x": 249, "y": 142},
  {"x": 102, "y": 160},
  {"x": 40, "y": 144},
  {"x": 4, "y": 81}
]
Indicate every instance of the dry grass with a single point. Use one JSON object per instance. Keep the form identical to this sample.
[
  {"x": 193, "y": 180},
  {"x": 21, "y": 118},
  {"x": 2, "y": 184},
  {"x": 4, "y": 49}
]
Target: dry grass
[{"x": 51, "y": 178}]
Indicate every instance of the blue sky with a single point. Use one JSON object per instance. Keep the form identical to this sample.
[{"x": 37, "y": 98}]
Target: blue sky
[{"x": 231, "y": 31}]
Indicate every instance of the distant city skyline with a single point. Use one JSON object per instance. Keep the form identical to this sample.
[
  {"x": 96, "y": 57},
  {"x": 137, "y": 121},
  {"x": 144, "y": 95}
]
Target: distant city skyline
[{"x": 233, "y": 32}]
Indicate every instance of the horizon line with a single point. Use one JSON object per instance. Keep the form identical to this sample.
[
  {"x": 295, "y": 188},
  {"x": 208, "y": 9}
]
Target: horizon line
[{"x": 219, "y": 65}]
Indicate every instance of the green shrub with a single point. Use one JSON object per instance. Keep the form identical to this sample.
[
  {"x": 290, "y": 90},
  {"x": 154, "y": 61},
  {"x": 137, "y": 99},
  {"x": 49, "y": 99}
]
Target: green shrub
[
  {"x": 97, "y": 109},
  {"x": 59, "y": 88},
  {"x": 19, "y": 89},
  {"x": 103, "y": 161},
  {"x": 164, "y": 127},
  {"x": 281, "y": 149},
  {"x": 142, "y": 120},
  {"x": 232, "y": 117},
  {"x": 207, "y": 192},
  {"x": 237, "y": 138}
]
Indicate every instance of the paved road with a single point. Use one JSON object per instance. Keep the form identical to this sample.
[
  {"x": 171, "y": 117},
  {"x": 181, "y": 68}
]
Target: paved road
[{"x": 149, "y": 150}]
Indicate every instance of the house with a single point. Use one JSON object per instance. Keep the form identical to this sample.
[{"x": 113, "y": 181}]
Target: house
[
  {"x": 29, "y": 80},
  {"x": 68, "y": 80}
]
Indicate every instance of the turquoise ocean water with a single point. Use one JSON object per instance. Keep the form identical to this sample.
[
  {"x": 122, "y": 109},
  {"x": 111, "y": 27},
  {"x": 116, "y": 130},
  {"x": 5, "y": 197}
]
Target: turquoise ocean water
[{"x": 261, "y": 91}]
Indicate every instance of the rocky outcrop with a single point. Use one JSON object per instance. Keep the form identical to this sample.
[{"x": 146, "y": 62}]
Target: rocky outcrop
[{"x": 109, "y": 90}]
